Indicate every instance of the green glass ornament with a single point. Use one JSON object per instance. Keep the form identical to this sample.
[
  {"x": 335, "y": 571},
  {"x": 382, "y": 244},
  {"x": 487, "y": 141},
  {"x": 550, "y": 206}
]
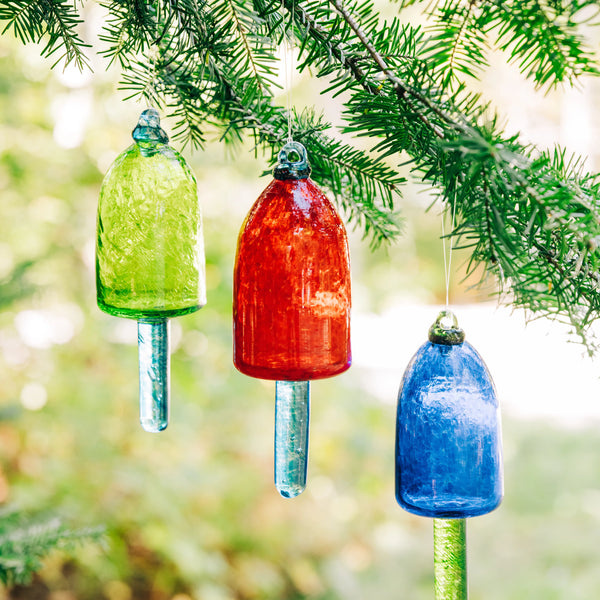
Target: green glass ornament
[{"x": 150, "y": 253}]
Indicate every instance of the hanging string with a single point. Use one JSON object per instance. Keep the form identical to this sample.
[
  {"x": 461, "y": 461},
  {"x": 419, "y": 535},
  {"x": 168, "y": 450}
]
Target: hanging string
[
  {"x": 152, "y": 52},
  {"x": 448, "y": 251},
  {"x": 288, "y": 65},
  {"x": 151, "y": 95}
]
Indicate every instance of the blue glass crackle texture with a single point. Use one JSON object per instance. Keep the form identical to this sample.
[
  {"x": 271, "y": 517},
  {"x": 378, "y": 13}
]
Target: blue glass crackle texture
[{"x": 448, "y": 435}]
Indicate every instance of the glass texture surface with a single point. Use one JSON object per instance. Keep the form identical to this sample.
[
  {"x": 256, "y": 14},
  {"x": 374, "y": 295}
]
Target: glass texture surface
[
  {"x": 291, "y": 298},
  {"x": 154, "y": 358},
  {"x": 448, "y": 438},
  {"x": 450, "y": 559},
  {"x": 292, "y": 407},
  {"x": 149, "y": 253}
]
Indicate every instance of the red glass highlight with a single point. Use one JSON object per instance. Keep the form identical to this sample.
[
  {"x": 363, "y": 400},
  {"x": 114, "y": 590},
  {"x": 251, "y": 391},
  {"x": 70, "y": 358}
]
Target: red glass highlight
[{"x": 291, "y": 296}]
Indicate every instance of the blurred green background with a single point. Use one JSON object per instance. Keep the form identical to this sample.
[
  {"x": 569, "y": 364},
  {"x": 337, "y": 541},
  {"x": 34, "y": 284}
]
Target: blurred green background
[{"x": 192, "y": 513}]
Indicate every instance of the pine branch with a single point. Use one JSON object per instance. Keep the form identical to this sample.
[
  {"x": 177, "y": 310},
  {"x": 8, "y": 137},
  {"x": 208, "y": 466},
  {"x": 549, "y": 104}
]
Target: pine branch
[
  {"x": 129, "y": 29},
  {"x": 516, "y": 212},
  {"x": 56, "y": 21},
  {"x": 205, "y": 83},
  {"x": 460, "y": 40},
  {"x": 531, "y": 217},
  {"x": 542, "y": 39},
  {"x": 25, "y": 541},
  {"x": 349, "y": 174},
  {"x": 370, "y": 80},
  {"x": 541, "y": 36},
  {"x": 244, "y": 23},
  {"x": 523, "y": 217}
]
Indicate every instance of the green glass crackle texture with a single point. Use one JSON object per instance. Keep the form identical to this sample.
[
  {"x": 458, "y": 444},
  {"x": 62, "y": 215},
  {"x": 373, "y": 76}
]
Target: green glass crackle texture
[
  {"x": 150, "y": 252},
  {"x": 450, "y": 559}
]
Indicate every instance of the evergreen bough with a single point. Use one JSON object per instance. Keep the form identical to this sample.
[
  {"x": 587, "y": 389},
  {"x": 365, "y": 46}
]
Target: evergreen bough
[
  {"x": 531, "y": 217},
  {"x": 26, "y": 540}
]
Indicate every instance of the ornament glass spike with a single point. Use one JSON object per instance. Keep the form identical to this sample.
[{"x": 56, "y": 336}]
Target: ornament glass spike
[
  {"x": 448, "y": 446},
  {"x": 292, "y": 410},
  {"x": 291, "y": 303},
  {"x": 450, "y": 559},
  {"x": 150, "y": 253}
]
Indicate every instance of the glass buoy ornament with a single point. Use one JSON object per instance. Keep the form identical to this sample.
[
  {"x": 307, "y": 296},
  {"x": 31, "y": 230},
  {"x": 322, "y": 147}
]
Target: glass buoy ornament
[
  {"x": 150, "y": 253},
  {"x": 448, "y": 440},
  {"x": 291, "y": 303},
  {"x": 448, "y": 446}
]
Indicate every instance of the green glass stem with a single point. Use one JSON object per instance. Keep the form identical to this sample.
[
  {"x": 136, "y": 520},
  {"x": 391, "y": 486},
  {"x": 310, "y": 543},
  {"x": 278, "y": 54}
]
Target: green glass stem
[
  {"x": 292, "y": 408},
  {"x": 450, "y": 559},
  {"x": 153, "y": 348}
]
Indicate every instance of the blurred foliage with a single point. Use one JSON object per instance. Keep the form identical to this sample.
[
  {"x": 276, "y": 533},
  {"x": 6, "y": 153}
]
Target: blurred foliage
[
  {"x": 26, "y": 540},
  {"x": 192, "y": 513}
]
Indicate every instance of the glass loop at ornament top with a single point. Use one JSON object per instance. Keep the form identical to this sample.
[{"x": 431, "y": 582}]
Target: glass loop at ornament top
[
  {"x": 148, "y": 134},
  {"x": 293, "y": 162},
  {"x": 445, "y": 330}
]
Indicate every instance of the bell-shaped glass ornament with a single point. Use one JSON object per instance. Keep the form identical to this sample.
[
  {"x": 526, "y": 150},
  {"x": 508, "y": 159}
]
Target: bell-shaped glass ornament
[
  {"x": 448, "y": 435},
  {"x": 150, "y": 253},
  {"x": 291, "y": 302}
]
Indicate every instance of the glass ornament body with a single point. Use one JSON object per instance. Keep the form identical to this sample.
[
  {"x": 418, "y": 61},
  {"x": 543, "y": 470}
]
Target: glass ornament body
[
  {"x": 448, "y": 434},
  {"x": 150, "y": 252},
  {"x": 291, "y": 294}
]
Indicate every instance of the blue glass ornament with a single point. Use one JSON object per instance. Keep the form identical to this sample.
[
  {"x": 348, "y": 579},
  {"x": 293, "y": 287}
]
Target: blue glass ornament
[{"x": 448, "y": 438}]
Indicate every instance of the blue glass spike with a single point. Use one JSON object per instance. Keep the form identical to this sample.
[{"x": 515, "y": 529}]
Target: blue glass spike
[
  {"x": 153, "y": 348},
  {"x": 292, "y": 408},
  {"x": 448, "y": 438}
]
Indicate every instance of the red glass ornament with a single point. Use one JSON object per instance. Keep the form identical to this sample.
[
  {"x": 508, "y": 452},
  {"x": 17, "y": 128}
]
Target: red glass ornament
[{"x": 291, "y": 298}]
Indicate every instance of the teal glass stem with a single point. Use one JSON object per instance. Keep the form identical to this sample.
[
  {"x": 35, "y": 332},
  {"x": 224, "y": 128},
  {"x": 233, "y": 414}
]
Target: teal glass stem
[
  {"x": 154, "y": 358},
  {"x": 450, "y": 559},
  {"x": 292, "y": 409}
]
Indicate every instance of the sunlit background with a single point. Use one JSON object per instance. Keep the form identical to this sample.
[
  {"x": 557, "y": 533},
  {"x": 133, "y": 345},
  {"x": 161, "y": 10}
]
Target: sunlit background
[{"x": 192, "y": 513}]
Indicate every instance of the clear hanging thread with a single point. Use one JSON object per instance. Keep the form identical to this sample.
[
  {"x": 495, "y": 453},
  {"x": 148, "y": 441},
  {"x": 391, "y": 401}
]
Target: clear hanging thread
[
  {"x": 288, "y": 65},
  {"x": 447, "y": 251}
]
